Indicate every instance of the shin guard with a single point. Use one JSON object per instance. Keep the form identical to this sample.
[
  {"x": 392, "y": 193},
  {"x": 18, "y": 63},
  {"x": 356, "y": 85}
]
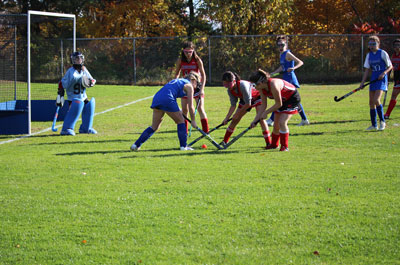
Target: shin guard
[
  {"x": 204, "y": 125},
  {"x": 372, "y": 114},
  {"x": 267, "y": 138},
  {"x": 228, "y": 134},
  {"x": 182, "y": 134},
  {"x": 87, "y": 117},
  {"x": 146, "y": 134},
  {"x": 392, "y": 104},
  {"x": 284, "y": 137},
  {"x": 73, "y": 114},
  {"x": 379, "y": 110}
]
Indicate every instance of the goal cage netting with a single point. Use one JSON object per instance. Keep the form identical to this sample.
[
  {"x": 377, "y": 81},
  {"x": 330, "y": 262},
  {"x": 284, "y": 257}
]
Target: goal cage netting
[{"x": 34, "y": 55}]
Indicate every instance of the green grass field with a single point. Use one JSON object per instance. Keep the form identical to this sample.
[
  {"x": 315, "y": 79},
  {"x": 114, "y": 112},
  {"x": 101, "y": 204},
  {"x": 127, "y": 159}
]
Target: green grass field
[{"x": 333, "y": 199}]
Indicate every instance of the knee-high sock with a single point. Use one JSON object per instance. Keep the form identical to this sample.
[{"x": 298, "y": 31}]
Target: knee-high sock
[
  {"x": 379, "y": 110},
  {"x": 182, "y": 134},
  {"x": 228, "y": 134},
  {"x": 275, "y": 140},
  {"x": 284, "y": 136},
  {"x": 392, "y": 104},
  {"x": 272, "y": 117},
  {"x": 146, "y": 134},
  {"x": 204, "y": 125},
  {"x": 302, "y": 113},
  {"x": 267, "y": 137},
  {"x": 372, "y": 113}
]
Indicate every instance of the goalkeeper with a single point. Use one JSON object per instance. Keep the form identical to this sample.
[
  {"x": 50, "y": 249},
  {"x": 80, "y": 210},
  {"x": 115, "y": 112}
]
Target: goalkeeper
[{"x": 75, "y": 82}]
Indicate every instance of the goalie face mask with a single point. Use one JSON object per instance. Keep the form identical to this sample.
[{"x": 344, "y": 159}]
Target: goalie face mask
[{"x": 77, "y": 58}]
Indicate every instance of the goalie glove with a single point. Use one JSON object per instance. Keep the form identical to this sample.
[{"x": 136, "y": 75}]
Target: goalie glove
[{"x": 60, "y": 101}]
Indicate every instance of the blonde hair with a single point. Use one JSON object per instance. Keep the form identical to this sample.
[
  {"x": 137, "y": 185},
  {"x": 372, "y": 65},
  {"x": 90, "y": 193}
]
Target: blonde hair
[
  {"x": 193, "y": 75},
  {"x": 374, "y": 38}
]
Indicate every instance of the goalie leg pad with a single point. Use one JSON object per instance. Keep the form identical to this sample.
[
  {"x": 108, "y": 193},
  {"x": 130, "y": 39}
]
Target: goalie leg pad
[
  {"x": 72, "y": 116},
  {"x": 87, "y": 117}
]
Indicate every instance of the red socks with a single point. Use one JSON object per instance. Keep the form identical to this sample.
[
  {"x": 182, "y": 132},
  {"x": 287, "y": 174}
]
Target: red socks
[
  {"x": 228, "y": 134},
  {"x": 274, "y": 141},
  {"x": 284, "y": 139},
  {"x": 187, "y": 126},
  {"x": 204, "y": 125},
  {"x": 267, "y": 138},
  {"x": 392, "y": 104}
]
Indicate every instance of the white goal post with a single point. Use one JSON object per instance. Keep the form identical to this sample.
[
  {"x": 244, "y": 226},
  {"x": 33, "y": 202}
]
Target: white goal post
[{"x": 40, "y": 13}]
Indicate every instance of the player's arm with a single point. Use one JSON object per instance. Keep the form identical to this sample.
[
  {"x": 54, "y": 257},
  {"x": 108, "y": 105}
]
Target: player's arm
[
  {"x": 91, "y": 79},
  {"x": 263, "y": 107},
  {"x": 188, "y": 88},
  {"x": 232, "y": 108},
  {"x": 297, "y": 62},
  {"x": 202, "y": 74},
  {"x": 388, "y": 62},
  {"x": 276, "y": 86},
  {"x": 177, "y": 69}
]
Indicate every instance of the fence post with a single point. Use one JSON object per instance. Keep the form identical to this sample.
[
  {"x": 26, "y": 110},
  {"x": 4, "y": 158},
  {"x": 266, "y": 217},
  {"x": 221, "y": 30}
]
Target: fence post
[
  {"x": 362, "y": 52},
  {"x": 134, "y": 61},
  {"x": 62, "y": 57},
  {"x": 15, "y": 62},
  {"x": 209, "y": 60}
]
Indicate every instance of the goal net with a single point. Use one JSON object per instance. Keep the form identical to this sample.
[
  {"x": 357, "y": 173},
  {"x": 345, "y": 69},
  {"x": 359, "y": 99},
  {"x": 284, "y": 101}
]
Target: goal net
[{"x": 34, "y": 53}]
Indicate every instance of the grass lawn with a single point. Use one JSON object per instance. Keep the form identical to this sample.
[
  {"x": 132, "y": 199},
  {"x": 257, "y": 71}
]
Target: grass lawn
[{"x": 332, "y": 199}]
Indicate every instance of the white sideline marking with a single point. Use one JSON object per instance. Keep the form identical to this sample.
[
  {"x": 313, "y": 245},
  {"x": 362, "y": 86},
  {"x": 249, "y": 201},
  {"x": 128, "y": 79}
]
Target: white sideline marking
[{"x": 48, "y": 129}]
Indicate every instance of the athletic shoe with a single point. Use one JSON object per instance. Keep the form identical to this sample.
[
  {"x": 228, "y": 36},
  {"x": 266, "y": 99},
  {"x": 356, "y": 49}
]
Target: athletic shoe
[
  {"x": 382, "y": 126},
  {"x": 270, "y": 122},
  {"x": 68, "y": 132},
  {"x": 386, "y": 117},
  {"x": 187, "y": 148},
  {"x": 268, "y": 147},
  {"x": 372, "y": 128},
  {"x": 303, "y": 122},
  {"x": 135, "y": 148},
  {"x": 284, "y": 148},
  {"x": 90, "y": 131}
]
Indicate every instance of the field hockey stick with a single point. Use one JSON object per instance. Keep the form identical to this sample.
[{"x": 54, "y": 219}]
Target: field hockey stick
[
  {"x": 195, "y": 112},
  {"x": 354, "y": 91},
  {"x": 384, "y": 98},
  {"x": 207, "y": 136},
  {"x": 202, "y": 136},
  {"x": 238, "y": 136},
  {"x": 53, "y": 127}
]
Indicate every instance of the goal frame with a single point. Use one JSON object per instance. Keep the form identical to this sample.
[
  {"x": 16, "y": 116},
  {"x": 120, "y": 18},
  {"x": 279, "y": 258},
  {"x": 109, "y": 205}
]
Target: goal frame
[{"x": 41, "y": 13}]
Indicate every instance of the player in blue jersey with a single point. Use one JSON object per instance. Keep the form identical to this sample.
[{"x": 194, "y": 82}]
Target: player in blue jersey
[
  {"x": 288, "y": 63},
  {"x": 76, "y": 97},
  {"x": 379, "y": 65},
  {"x": 164, "y": 102}
]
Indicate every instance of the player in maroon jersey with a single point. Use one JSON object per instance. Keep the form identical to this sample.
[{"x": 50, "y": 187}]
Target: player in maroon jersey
[
  {"x": 286, "y": 103},
  {"x": 396, "y": 77},
  {"x": 248, "y": 97},
  {"x": 188, "y": 62}
]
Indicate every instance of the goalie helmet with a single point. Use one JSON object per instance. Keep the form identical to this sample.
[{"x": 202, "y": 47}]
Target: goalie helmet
[{"x": 77, "y": 58}]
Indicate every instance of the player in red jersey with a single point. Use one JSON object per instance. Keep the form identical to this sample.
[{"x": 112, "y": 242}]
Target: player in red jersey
[
  {"x": 396, "y": 77},
  {"x": 188, "y": 62},
  {"x": 287, "y": 103},
  {"x": 248, "y": 97}
]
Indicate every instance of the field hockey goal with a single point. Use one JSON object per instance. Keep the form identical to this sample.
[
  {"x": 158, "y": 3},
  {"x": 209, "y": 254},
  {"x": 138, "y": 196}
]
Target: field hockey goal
[{"x": 34, "y": 53}]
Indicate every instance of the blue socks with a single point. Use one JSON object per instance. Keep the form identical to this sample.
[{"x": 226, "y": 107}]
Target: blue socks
[
  {"x": 146, "y": 134},
  {"x": 379, "y": 109},
  {"x": 182, "y": 135},
  {"x": 372, "y": 113},
  {"x": 272, "y": 117},
  {"x": 302, "y": 113}
]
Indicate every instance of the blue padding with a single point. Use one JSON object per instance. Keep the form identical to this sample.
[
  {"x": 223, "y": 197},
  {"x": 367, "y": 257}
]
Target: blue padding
[
  {"x": 44, "y": 110},
  {"x": 73, "y": 114},
  {"x": 8, "y": 105},
  {"x": 87, "y": 116}
]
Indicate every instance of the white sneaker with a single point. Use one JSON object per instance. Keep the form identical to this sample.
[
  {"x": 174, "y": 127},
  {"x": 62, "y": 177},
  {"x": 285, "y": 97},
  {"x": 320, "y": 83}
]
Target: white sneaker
[
  {"x": 270, "y": 122},
  {"x": 135, "y": 148},
  {"x": 382, "y": 126},
  {"x": 303, "y": 122},
  {"x": 372, "y": 128},
  {"x": 187, "y": 148}
]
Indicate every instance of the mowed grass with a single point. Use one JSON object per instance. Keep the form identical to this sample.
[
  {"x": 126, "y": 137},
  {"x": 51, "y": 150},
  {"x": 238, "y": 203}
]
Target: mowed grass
[{"x": 333, "y": 199}]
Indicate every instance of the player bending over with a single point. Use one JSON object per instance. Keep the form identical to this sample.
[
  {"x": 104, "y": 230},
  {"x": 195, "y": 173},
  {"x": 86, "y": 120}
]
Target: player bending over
[
  {"x": 74, "y": 82},
  {"x": 164, "y": 102},
  {"x": 286, "y": 103},
  {"x": 248, "y": 97},
  {"x": 396, "y": 77}
]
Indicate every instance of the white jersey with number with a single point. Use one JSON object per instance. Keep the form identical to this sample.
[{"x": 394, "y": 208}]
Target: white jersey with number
[{"x": 72, "y": 83}]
